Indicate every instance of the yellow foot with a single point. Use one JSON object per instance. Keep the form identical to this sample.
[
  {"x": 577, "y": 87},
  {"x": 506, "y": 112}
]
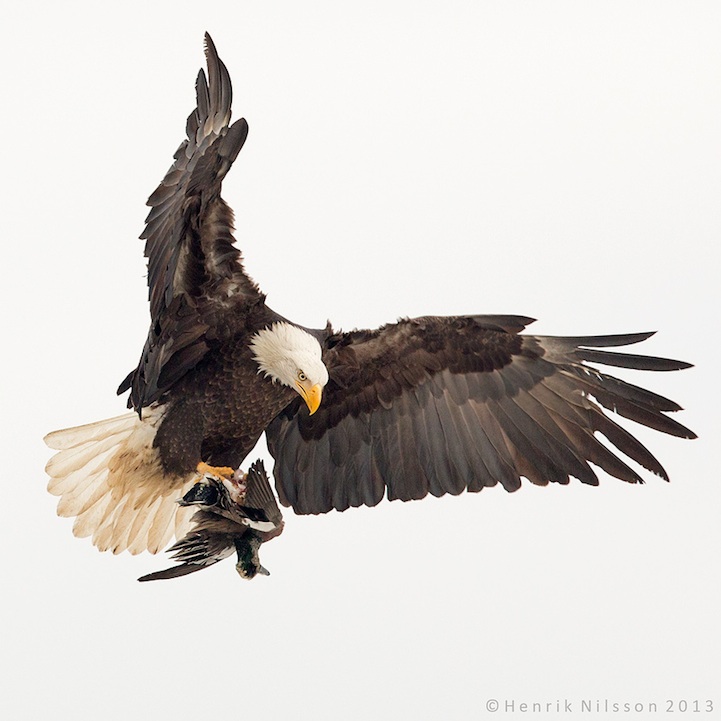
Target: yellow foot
[{"x": 220, "y": 472}]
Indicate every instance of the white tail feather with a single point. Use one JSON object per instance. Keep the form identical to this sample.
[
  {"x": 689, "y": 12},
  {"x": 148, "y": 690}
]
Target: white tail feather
[
  {"x": 82, "y": 496},
  {"x": 79, "y": 435},
  {"x": 108, "y": 474}
]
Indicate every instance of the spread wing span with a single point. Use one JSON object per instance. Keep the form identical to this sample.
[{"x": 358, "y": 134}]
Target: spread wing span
[
  {"x": 195, "y": 273},
  {"x": 443, "y": 405}
]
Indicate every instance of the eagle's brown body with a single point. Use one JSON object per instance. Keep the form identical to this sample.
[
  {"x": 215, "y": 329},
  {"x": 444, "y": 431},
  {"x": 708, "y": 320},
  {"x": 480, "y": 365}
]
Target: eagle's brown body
[{"x": 218, "y": 413}]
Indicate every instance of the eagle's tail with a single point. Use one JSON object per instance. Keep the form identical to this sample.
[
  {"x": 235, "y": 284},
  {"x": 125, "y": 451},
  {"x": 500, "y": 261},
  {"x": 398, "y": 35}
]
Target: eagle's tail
[{"x": 108, "y": 474}]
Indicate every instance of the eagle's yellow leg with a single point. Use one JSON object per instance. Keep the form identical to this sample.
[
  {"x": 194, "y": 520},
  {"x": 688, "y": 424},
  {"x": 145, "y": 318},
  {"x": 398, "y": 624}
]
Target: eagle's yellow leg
[{"x": 221, "y": 472}]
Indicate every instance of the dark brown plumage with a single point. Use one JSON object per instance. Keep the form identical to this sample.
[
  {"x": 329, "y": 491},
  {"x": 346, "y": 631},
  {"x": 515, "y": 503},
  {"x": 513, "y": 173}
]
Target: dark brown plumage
[
  {"x": 429, "y": 405},
  {"x": 443, "y": 405}
]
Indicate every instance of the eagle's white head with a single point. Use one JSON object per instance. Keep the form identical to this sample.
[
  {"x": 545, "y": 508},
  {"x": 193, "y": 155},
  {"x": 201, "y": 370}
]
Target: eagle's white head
[{"x": 291, "y": 356}]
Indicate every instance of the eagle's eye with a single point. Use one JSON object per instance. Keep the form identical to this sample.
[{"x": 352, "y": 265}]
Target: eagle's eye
[{"x": 301, "y": 376}]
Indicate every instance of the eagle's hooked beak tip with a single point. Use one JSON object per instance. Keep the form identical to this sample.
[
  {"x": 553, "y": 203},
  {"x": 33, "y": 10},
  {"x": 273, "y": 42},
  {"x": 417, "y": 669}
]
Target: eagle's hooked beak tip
[{"x": 312, "y": 396}]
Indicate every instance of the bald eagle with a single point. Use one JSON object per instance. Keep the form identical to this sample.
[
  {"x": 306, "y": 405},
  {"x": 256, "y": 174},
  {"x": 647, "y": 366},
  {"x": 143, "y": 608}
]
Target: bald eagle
[{"x": 426, "y": 405}]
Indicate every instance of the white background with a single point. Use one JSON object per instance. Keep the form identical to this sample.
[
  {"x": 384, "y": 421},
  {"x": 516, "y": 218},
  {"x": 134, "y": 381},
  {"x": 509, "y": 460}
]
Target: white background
[{"x": 554, "y": 159}]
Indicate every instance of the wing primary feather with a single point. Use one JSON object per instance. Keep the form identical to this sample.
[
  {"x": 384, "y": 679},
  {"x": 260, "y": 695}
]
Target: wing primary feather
[
  {"x": 571, "y": 342},
  {"x": 203, "y": 100},
  {"x": 627, "y": 444},
  {"x": 631, "y": 360},
  {"x": 639, "y": 413},
  {"x": 174, "y": 572}
]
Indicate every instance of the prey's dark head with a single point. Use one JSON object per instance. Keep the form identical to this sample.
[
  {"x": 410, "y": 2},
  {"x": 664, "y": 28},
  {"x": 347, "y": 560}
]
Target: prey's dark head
[{"x": 205, "y": 493}]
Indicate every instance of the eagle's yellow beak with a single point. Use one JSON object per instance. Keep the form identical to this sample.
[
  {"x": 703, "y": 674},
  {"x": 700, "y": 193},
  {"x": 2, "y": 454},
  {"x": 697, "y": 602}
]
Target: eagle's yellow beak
[{"x": 312, "y": 395}]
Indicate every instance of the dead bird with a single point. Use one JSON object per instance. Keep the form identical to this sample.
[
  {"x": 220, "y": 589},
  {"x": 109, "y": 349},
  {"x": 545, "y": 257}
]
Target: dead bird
[{"x": 236, "y": 514}]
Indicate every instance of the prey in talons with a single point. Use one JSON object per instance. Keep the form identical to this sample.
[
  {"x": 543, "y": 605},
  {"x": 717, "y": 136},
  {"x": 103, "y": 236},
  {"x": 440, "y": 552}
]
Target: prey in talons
[
  {"x": 237, "y": 512},
  {"x": 210, "y": 476}
]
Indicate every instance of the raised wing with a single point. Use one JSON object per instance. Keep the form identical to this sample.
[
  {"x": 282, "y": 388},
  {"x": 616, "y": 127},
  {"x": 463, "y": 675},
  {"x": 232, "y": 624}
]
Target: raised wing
[
  {"x": 259, "y": 495},
  {"x": 443, "y": 405},
  {"x": 196, "y": 278}
]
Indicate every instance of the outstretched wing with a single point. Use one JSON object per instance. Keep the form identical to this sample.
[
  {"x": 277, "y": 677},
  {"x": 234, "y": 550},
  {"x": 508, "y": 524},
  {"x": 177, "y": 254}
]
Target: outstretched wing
[
  {"x": 443, "y": 405},
  {"x": 196, "y": 278}
]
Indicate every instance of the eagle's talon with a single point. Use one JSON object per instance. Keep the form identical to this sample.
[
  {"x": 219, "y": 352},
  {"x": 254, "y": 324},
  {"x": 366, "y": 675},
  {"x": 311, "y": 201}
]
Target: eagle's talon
[{"x": 219, "y": 473}]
